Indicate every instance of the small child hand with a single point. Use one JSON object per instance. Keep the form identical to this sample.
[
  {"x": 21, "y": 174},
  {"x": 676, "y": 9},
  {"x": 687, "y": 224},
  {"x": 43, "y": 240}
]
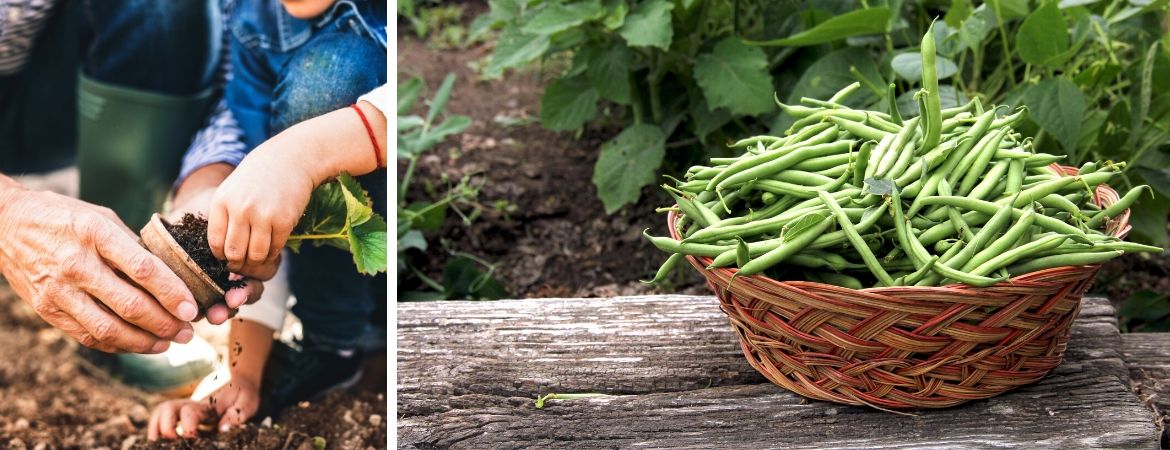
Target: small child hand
[
  {"x": 234, "y": 403},
  {"x": 255, "y": 209}
]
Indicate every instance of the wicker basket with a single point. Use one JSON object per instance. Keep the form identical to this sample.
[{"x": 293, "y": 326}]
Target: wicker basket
[{"x": 905, "y": 347}]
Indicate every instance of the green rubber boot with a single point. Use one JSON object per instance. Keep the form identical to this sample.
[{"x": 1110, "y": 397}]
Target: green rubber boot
[{"x": 130, "y": 144}]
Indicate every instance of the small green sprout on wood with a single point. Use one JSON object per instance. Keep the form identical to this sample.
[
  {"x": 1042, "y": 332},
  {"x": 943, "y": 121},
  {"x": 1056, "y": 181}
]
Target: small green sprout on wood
[
  {"x": 340, "y": 214},
  {"x": 540, "y": 399}
]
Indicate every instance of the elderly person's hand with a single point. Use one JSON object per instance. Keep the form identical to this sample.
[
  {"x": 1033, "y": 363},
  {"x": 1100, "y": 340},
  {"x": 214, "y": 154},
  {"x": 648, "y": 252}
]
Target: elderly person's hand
[
  {"x": 83, "y": 271},
  {"x": 194, "y": 196}
]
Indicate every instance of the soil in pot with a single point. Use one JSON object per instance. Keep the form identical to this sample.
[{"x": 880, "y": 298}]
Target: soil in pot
[{"x": 191, "y": 234}]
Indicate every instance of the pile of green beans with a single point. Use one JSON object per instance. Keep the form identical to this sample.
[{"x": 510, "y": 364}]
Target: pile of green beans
[{"x": 860, "y": 198}]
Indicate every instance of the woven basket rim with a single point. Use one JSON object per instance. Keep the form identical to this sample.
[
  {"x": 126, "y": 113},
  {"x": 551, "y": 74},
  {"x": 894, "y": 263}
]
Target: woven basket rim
[{"x": 1103, "y": 196}]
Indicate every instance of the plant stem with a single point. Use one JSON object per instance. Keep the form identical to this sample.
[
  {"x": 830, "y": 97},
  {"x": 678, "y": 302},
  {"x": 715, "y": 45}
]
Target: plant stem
[
  {"x": 1007, "y": 54},
  {"x": 406, "y": 179},
  {"x": 310, "y": 237}
]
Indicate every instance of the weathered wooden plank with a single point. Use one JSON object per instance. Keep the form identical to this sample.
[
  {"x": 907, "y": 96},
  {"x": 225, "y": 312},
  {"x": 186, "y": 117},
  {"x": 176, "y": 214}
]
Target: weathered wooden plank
[
  {"x": 468, "y": 374},
  {"x": 1147, "y": 355}
]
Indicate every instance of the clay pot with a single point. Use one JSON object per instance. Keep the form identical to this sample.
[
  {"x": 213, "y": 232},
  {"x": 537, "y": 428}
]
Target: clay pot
[{"x": 159, "y": 241}]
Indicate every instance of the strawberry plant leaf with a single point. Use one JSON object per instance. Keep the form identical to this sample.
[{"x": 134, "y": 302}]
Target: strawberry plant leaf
[
  {"x": 367, "y": 242},
  {"x": 649, "y": 25},
  {"x": 627, "y": 163},
  {"x": 735, "y": 76},
  {"x": 358, "y": 208},
  {"x": 515, "y": 48}
]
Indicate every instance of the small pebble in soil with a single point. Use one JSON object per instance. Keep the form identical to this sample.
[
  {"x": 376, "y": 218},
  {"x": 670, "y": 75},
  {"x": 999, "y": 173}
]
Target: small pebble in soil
[
  {"x": 191, "y": 234},
  {"x": 303, "y": 405},
  {"x": 267, "y": 422},
  {"x": 375, "y": 420}
]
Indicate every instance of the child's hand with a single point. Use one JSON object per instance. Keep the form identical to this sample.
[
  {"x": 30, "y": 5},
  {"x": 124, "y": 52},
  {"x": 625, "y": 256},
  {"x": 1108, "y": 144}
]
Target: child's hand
[
  {"x": 255, "y": 209},
  {"x": 234, "y": 403}
]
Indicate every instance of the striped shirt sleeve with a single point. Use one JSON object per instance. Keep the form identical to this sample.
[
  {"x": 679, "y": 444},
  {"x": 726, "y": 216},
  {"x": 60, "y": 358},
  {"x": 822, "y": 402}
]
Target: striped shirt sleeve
[{"x": 20, "y": 23}]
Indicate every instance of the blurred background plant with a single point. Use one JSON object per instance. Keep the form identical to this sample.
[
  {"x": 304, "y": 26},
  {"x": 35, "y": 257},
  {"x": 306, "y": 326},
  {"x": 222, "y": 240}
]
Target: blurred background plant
[{"x": 465, "y": 276}]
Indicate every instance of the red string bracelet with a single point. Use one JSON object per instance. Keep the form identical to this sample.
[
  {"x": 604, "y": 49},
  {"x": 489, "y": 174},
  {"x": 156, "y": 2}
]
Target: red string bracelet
[{"x": 370, "y": 131}]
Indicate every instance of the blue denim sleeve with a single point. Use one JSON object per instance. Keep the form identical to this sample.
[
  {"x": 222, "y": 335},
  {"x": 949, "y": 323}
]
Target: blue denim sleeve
[
  {"x": 218, "y": 142},
  {"x": 249, "y": 94}
]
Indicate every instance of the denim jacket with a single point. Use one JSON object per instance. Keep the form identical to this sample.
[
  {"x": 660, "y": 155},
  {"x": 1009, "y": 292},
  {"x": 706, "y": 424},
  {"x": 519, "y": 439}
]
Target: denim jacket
[{"x": 263, "y": 38}]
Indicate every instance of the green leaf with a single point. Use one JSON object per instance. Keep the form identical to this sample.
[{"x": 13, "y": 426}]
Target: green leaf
[
  {"x": 1043, "y": 37},
  {"x": 439, "y": 101},
  {"x": 609, "y": 72},
  {"x": 462, "y": 280},
  {"x": 627, "y": 163},
  {"x": 977, "y": 27},
  {"x": 649, "y": 25},
  {"x": 412, "y": 239},
  {"x": 829, "y": 74},
  {"x": 419, "y": 142},
  {"x": 616, "y": 14},
  {"x": 735, "y": 76},
  {"x": 1145, "y": 306},
  {"x": 1058, "y": 107},
  {"x": 959, "y": 11},
  {"x": 862, "y": 21},
  {"x": 707, "y": 120},
  {"x": 909, "y": 66},
  {"x": 1011, "y": 9},
  {"x": 1149, "y": 220},
  {"x": 408, "y": 92},
  {"x": 515, "y": 48},
  {"x": 568, "y": 104},
  {"x": 1115, "y": 132},
  {"x": 878, "y": 186},
  {"x": 367, "y": 243},
  {"x": 431, "y": 220},
  {"x": 559, "y": 17},
  {"x": 325, "y": 213}
]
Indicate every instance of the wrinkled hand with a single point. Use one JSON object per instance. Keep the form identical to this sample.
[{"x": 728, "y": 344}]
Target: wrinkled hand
[
  {"x": 254, "y": 211},
  {"x": 83, "y": 271},
  {"x": 234, "y": 403},
  {"x": 195, "y": 197}
]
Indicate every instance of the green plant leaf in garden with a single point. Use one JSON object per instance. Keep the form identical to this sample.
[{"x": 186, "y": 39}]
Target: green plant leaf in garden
[
  {"x": 959, "y": 11},
  {"x": 1149, "y": 220},
  {"x": 909, "y": 66},
  {"x": 615, "y": 15},
  {"x": 609, "y": 71},
  {"x": 735, "y": 76},
  {"x": 515, "y": 48},
  {"x": 339, "y": 214},
  {"x": 977, "y": 27},
  {"x": 948, "y": 97},
  {"x": 1043, "y": 37},
  {"x": 707, "y": 120},
  {"x": 408, "y": 93},
  {"x": 649, "y": 25},
  {"x": 1146, "y": 306},
  {"x": 417, "y": 141},
  {"x": 627, "y": 163},
  {"x": 1058, "y": 107},
  {"x": 568, "y": 103},
  {"x": 559, "y": 17},
  {"x": 862, "y": 21},
  {"x": 462, "y": 280},
  {"x": 427, "y": 216},
  {"x": 439, "y": 100},
  {"x": 832, "y": 72},
  {"x": 412, "y": 239}
]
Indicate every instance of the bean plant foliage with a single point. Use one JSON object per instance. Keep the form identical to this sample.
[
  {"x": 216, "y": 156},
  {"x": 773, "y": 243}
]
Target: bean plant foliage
[{"x": 685, "y": 77}]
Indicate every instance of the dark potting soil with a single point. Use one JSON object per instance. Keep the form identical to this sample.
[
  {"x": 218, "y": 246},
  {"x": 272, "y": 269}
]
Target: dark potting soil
[{"x": 191, "y": 234}]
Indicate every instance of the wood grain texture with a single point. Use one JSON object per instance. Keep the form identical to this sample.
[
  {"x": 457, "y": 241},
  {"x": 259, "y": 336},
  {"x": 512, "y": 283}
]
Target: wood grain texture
[{"x": 469, "y": 372}]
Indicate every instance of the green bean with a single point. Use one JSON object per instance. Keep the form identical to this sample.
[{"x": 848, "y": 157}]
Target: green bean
[
  {"x": 898, "y": 150},
  {"x": 862, "y": 162},
  {"x": 825, "y": 136},
  {"x": 1049, "y": 262},
  {"x": 766, "y": 169},
  {"x": 823, "y": 162},
  {"x": 876, "y": 158},
  {"x": 741, "y": 252},
  {"x": 670, "y": 245},
  {"x": 840, "y": 279},
  {"x": 854, "y": 237},
  {"x": 1010, "y": 256},
  {"x": 1003, "y": 244},
  {"x": 892, "y": 104},
  {"x": 921, "y": 257},
  {"x": 792, "y": 245},
  {"x": 1011, "y": 120},
  {"x": 992, "y": 181},
  {"x": 1117, "y": 207},
  {"x": 981, "y": 239},
  {"x": 989, "y": 208},
  {"x": 972, "y": 136},
  {"x": 756, "y": 140},
  {"x": 917, "y": 276},
  {"x": 976, "y": 170},
  {"x": 858, "y": 129},
  {"x": 932, "y": 113},
  {"x": 1015, "y": 177},
  {"x": 953, "y": 215},
  {"x": 1059, "y": 202},
  {"x": 689, "y": 209},
  {"x": 842, "y": 94},
  {"x": 667, "y": 266},
  {"x": 1041, "y": 160}
]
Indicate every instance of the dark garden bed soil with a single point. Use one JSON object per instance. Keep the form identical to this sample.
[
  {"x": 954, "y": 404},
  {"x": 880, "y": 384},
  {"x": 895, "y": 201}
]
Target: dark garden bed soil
[
  {"x": 1122, "y": 277},
  {"x": 50, "y": 399},
  {"x": 550, "y": 234},
  {"x": 191, "y": 234}
]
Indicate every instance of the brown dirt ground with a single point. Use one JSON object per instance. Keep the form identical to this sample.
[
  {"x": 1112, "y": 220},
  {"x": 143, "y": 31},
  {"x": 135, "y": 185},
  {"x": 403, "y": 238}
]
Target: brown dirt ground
[
  {"x": 558, "y": 242},
  {"x": 50, "y": 400}
]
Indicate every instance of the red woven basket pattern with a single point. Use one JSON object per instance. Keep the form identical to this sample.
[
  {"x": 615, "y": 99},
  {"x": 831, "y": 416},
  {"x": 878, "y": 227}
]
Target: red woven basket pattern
[{"x": 905, "y": 347}]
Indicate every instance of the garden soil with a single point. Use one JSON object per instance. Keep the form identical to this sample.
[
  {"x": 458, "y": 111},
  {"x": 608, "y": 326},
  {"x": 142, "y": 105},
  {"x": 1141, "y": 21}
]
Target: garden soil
[
  {"x": 542, "y": 221},
  {"x": 191, "y": 234},
  {"x": 50, "y": 399}
]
